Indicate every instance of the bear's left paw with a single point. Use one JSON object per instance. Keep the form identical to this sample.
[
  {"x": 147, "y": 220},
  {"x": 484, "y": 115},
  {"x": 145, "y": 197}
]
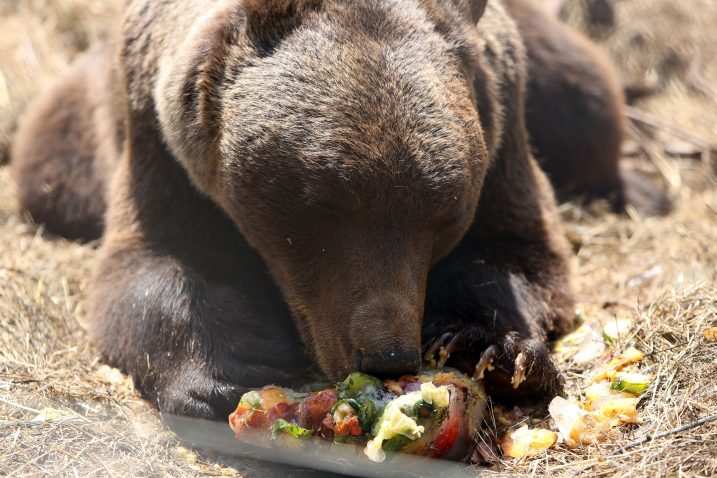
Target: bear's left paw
[
  {"x": 522, "y": 369},
  {"x": 513, "y": 368}
]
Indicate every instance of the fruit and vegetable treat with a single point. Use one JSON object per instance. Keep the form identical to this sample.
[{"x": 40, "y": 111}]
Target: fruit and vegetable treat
[{"x": 436, "y": 414}]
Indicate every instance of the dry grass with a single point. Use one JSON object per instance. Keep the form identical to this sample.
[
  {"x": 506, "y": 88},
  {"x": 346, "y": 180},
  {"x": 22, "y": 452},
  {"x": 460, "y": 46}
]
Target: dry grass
[
  {"x": 107, "y": 430},
  {"x": 40, "y": 38},
  {"x": 661, "y": 273}
]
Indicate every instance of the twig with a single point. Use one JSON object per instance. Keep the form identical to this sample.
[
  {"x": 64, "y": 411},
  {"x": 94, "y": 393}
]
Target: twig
[
  {"x": 34, "y": 423},
  {"x": 639, "y": 116},
  {"x": 37, "y": 423},
  {"x": 697, "y": 81},
  {"x": 643, "y": 117},
  {"x": 687, "y": 426},
  {"x": 117, "y": 405},
  {"x": 25, "y": 381},
  {"x": 17, "y": 405},
  {"x": 669, "y": 173}
]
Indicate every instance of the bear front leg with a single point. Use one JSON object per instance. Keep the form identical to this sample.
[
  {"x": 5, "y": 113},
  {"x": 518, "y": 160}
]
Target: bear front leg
[
  {"x": 506, "y": 289},
  {"x": 491, "y": 307},
  {"x": 193, "y": 343}
]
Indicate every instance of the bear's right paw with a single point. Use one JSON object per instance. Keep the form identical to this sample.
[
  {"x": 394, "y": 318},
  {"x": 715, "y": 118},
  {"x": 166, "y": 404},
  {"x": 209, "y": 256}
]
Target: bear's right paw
[{"x": 198, "y": 395}]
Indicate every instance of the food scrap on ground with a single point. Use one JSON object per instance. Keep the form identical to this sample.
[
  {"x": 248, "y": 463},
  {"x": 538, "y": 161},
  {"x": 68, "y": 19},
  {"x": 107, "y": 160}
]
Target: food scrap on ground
[
  {"x": 526, "y": 442},
  {"x": 711, "y": 334},
  {"x": 581, "y": 346},
  {"x": 609, "y": 400},
  {"x": 616, "y": 329},
  {"x": 629, "y": 357}
]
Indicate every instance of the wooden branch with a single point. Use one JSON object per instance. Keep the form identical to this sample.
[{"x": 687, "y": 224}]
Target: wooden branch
[
  {"x": 643, "y": 117},
  {"x": 685, "y": 427}
]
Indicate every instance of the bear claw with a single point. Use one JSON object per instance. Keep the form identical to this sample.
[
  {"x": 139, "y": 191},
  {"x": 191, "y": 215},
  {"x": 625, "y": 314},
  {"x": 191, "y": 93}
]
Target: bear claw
[
  {"x": 445, "y": 352},
  {"x": 430, "y": 356},
  {"x": 485, "y": 363},
  {"x": 519, "y": 373}
]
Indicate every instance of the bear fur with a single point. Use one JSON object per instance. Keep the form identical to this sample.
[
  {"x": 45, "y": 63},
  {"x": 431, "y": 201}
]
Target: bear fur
[{"x": 295, "y": 185}]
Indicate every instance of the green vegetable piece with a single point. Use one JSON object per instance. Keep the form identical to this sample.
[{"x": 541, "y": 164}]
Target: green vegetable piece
[
  {"x": 251, "y": 399},
  {"x": 282, "y": 426},
  {"x": 396, "y": 443},
  {"x": 367, "y": 413},
  {"x": 635, "y": 383},
  {"x": 364, "y": 407},
  {"x": 295, "y": 396},
  {"x": 366, "y": 391},
  {"x": 348, "y": 401},
  {"x": 357, "y": 384},
  {"x": 422, "y": 409}
]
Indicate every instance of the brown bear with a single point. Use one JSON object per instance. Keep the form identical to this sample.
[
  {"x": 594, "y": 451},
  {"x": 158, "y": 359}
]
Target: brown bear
[{"x": 290, "y": 183}]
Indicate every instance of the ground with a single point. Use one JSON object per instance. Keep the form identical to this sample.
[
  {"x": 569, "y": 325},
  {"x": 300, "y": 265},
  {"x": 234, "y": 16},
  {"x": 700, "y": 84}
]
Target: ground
[{"x": 659, "y": 272}]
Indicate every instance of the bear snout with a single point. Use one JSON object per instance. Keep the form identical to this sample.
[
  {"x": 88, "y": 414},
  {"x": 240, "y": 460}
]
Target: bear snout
[
  {"x": 386, "y": 332},
  {"x": 392, "y": 361}
]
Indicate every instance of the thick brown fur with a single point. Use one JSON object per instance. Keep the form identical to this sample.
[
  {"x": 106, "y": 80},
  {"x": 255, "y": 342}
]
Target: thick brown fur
[
  {"x": 309, "y": 182},
  {"x": 62, "y": 171},
  {"x": 574, "y": 81},
  {"x": 574, "y": 114}
]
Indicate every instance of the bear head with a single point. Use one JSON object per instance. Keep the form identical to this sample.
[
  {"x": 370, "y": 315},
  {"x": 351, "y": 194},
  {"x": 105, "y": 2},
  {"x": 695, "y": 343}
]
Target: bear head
[{"x": 344, "y": 141}]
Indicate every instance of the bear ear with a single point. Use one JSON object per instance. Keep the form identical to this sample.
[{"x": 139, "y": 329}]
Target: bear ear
[
  {"x": 474, "y": 8},
  {"x": 268, "y": 20},
  {"x": 190, "y": 89}
]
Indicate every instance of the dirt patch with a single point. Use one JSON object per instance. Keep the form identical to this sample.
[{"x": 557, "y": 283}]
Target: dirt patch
[{"x": 660, "y": 272}]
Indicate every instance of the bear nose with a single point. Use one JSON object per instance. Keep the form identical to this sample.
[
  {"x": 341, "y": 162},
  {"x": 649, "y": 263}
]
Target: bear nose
[{"x": 391, "y": 362}]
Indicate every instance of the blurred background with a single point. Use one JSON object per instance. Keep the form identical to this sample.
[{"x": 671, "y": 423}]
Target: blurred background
[{"x": 63, "y": 413}]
